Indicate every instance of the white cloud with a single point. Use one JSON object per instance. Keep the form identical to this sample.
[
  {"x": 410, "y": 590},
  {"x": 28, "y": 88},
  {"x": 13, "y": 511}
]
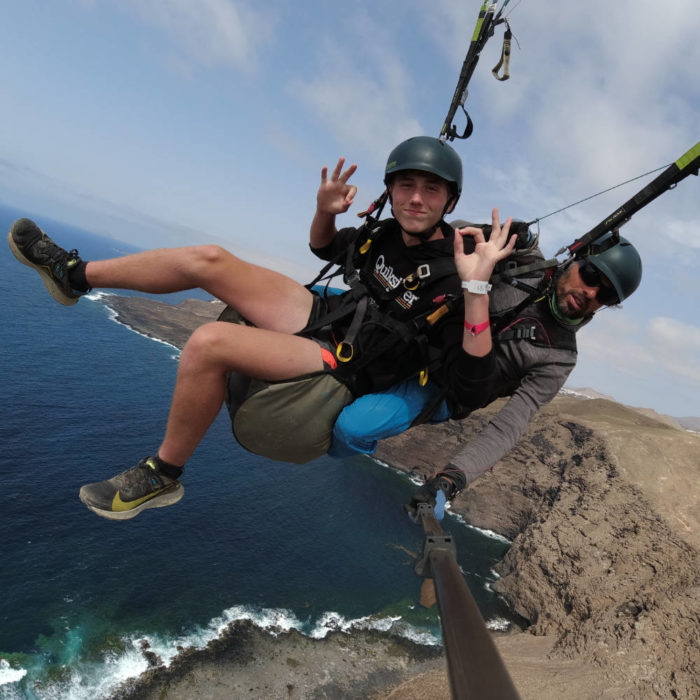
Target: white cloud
[
  {"x": 212, "y": 32},
  {"x": 363, "y": 103},
  {"x": 683, "y": 232},
  {"x": 676, "y": 346},
  {"x": 661, "y": 345}
]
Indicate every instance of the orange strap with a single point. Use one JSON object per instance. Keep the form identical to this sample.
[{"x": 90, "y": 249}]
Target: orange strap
[{"x": 328, "y": 358}]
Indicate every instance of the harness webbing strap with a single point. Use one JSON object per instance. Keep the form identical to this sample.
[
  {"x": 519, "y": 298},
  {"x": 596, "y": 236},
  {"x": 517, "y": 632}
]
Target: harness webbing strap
[
  {"x": 345, "y": 350},
  {"x": 510, "y": 273},
  {"x": 504, "y": 61}
]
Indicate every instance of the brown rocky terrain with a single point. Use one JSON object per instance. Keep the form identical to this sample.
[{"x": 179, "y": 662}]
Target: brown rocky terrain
[
  {"x": 601, "y": 503},
  {"x": 160, "y": 320}
]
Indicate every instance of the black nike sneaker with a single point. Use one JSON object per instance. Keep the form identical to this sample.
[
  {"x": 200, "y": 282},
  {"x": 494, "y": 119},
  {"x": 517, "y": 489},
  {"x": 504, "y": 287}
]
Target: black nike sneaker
[
  {"x": 124, "y": 496},
  {"x": 33, "y": 248}
]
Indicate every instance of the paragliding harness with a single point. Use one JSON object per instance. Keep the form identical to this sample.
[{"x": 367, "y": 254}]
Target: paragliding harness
[
  {"x": 366, "y": 301},
  {"x": 355, "y": 263}
]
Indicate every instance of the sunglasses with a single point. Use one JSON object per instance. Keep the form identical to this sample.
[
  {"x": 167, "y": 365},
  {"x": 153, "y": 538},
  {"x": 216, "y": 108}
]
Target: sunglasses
[{"x": 591, "y": 276}]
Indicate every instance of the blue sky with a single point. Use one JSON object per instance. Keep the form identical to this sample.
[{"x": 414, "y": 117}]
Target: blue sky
[{"x": 169, "y": 122}]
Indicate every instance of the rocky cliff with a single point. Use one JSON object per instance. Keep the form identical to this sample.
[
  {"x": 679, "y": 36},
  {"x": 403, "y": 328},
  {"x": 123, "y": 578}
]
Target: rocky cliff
[{"x": 601, "y": 503}]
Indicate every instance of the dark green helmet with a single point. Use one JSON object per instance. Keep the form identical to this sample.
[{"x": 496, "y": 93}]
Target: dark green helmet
[
  {"x": 429, "y": 155},
  {"x": 619, "y": 262}
]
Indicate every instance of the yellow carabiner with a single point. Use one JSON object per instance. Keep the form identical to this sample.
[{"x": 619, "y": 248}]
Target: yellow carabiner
[
  {"x": 423, "y": 377},
  {"x": 365, "y": 246},
  {"x": 411, "y": 282},
  {"x": 344, "y": 351}
]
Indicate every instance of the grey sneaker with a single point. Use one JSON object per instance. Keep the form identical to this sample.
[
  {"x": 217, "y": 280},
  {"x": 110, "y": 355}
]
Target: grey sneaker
[
  {"x": 33, "y": 248},
  {"x": 124, "y": 496}
]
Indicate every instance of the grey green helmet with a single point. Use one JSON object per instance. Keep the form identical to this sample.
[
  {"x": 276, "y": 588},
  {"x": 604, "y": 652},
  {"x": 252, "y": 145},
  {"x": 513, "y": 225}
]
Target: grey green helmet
[
  {"x": 619, "y": 262},
  {"x": 429, "y": 155}
]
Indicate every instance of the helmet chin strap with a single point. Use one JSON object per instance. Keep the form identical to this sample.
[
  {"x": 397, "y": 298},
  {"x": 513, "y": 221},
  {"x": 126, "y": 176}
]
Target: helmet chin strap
[{"x": 423, "y": 235}]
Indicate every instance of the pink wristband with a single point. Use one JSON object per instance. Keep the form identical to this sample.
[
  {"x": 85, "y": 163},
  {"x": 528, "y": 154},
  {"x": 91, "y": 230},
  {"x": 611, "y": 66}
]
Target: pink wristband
[{"x": 478, "y": 328}]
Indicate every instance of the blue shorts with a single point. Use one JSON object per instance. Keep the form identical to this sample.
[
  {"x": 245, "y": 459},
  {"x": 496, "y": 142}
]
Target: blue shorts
[{"x": 372, "y": 417}]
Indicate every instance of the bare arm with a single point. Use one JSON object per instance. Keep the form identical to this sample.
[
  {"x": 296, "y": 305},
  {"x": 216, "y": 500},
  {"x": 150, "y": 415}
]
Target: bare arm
[
  {"x": 334, "y": 197},
  {"x": 479, "y": 266}
]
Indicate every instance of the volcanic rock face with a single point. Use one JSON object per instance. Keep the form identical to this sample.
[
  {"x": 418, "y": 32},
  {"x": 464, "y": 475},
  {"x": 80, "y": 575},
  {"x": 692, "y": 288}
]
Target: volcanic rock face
[
  {"x": 598, "y": 562},
  {"x": 248, "y": 663},
  {"x": 601, "y": 503}
]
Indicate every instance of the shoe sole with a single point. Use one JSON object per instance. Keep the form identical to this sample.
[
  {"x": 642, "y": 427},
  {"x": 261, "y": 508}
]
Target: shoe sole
[
  {"x": 54, "y": 290},
  {"x": 167, "y": 497}
]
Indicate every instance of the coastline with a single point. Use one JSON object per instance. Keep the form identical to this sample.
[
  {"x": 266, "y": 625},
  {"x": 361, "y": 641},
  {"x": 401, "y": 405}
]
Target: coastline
[
  {"x": 600, "y": 503},
  {"x": 247, "y": 662}
]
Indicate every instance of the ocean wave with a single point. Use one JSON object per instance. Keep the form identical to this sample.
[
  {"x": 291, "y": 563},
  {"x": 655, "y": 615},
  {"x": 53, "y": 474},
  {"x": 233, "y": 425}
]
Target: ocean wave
[
  {"x": 9, "y": 674},
  {"x": 99, "y": 676},
  {"x": 499, "y": 624},
  {"x": 482, "y": 531},
  {"x": 95, "y": 295},
  {"x": 334, "y": 622},
  {"x": 274, "y": 621}
]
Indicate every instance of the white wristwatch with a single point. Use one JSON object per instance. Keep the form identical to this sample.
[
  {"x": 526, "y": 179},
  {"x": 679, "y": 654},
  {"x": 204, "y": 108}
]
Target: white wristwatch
[{"x": 476, "y": 286}]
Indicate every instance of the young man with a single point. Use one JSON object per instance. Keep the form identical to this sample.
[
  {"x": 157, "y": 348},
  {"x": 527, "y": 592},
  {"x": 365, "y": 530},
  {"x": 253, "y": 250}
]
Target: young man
[{"x": 424, "y": 180}]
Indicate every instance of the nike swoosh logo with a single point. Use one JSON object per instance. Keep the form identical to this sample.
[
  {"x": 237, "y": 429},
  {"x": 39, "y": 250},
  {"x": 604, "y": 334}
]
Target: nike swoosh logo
[{"x": 120, "y": 506}]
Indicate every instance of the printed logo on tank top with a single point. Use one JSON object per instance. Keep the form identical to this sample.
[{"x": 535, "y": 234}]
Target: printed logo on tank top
[{"x": 386, "y": 276}]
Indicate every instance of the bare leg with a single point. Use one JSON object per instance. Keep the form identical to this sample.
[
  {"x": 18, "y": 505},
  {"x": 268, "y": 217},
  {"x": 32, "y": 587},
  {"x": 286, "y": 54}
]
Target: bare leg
[
  {"x": 265, "y": 297},
  {"x": 213, "y": 350}
]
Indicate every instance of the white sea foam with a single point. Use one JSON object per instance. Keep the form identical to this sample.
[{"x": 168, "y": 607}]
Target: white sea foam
[
  {"x": 335, "y": 622},
  {"x": 486, "y": 533},
  {"x": 498, "y": 624},
  {"x": 272, "y": 620},
  {"x": 93, "y": 681},
  {"x": 9, "y": 674},
  {"x": 97, "y": 295}
]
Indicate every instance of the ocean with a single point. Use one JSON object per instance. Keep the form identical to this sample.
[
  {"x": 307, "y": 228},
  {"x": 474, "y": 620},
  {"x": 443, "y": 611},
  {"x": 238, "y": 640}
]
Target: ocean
[{"x": 317, "y": 547}]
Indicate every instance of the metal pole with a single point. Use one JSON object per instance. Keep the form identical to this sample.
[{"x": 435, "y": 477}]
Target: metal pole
[{"x": 475, "y": 668}]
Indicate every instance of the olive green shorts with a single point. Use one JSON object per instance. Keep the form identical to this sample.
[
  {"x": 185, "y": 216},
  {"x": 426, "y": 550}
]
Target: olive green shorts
[{"x": 291, "y": 420}]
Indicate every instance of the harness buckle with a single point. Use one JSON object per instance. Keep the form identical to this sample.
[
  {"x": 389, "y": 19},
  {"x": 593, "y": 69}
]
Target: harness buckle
[
  {"x": 344, "y": 351},
  {"x": 412, "y": 281},
  {"x": 529, "y": 333}
]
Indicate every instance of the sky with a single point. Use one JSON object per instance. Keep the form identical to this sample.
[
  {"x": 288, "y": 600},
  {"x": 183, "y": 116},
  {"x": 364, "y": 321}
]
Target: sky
[{"x": 173, "y": 122}]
